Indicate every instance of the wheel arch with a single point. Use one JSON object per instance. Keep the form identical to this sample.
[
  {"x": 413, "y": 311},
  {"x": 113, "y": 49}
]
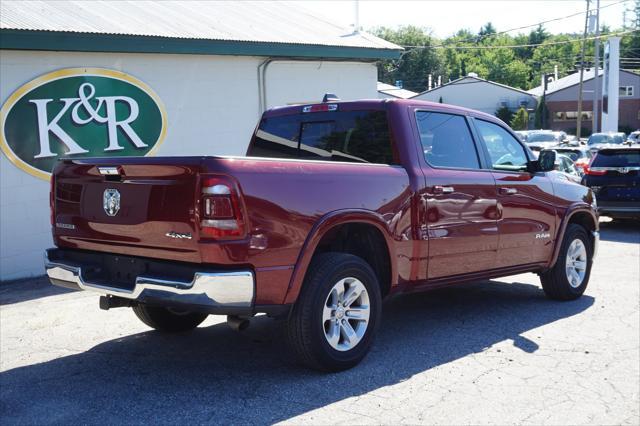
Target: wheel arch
[
  {"x": 582, "y": 215},
  {"x": 329, "y": 229}
]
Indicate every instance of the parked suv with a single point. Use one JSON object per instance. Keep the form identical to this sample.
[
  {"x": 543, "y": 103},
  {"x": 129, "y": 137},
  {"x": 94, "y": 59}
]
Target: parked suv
[
  {"x": 614, "y": 176},
  {"x": 337, "y": 205}
]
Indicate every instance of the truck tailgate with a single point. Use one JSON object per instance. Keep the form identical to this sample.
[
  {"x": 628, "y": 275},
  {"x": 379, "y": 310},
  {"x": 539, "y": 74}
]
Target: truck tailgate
[{"x": 145, "y": 207}]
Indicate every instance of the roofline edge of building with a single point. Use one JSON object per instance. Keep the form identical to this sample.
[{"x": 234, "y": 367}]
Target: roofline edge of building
[{"x": 11, "y": 39}]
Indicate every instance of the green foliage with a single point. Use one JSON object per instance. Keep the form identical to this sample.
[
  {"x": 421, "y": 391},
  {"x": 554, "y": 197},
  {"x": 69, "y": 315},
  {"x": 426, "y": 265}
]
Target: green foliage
[
  {"x": 520, "y": 121},
  {"x": 416, "y": 63},
  {"x": 630, "y": 44},
  {"x": 504, "y": 114},
  {"x": 542, "y": 114},
  {"x": 520, "y": 67}
]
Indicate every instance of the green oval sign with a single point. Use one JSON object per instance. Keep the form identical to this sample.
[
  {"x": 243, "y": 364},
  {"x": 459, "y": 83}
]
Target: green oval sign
[{"x": 80, "y": 112}]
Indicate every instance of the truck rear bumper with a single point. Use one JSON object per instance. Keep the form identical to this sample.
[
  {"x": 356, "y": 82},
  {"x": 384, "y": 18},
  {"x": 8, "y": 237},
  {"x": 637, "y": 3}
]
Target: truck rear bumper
[{"x": 214, "y": 292}]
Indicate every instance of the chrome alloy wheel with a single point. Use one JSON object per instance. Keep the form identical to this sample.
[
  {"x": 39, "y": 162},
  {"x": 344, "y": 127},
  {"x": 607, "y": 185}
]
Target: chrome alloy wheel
[
  {"x": 576, "y": 263},
  {"x": 345, "y": 316}
]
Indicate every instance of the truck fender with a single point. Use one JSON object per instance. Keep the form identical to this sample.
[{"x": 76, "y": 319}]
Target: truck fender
[
  {"x": 320, "y": 228},
  {"x": 578, "y": 208}
]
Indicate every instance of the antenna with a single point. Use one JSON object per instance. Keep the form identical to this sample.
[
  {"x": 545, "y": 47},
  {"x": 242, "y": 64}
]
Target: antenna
[{"x": 356, "y": 24}]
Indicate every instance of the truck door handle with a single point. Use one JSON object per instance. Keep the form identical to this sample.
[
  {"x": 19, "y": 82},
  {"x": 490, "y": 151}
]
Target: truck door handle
[
  {"x": 438, "y": 189},
  {"x": 508, "y": 191}
]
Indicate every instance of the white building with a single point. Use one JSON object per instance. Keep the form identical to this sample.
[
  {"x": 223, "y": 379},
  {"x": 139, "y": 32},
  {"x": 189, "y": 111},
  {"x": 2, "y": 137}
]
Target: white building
[
  {"x": 480, "y": 94},
  {"x": 197, "y": 76},
  {"x": 387, "y": 91}
]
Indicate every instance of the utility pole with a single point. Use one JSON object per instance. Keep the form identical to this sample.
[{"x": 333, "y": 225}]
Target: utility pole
[
  {"x": 596, "y": 90},
  {"x": 584, "y": 40}
]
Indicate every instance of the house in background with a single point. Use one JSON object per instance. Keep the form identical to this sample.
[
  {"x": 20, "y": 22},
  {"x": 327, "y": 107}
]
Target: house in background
[
  {"x": 387, "y": 91},
  {"x": 561, "y": 99},
  {"x": 482, "y": 95}
]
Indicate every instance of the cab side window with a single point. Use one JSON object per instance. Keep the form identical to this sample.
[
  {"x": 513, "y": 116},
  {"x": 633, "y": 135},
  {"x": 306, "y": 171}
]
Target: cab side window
[
  {"x": 446, "y": 140},
  {"x": 505, "y": 152}
]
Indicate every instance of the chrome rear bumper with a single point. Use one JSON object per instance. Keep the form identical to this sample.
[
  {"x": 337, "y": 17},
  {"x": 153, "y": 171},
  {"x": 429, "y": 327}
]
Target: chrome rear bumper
[
  {"x": 228, "y": 292},
  {"x": 596, "y": 243}
]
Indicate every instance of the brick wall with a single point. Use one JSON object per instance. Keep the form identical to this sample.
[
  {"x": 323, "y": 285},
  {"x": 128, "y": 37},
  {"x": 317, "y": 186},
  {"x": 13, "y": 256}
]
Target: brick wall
[{"x": 627, "y": 114}]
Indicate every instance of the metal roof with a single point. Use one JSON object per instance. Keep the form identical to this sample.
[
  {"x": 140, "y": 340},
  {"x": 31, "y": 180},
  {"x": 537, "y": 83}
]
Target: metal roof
[
  {"x": 241, "y": 21},
  {"x": 394, "y": 91},
  {"x": 474, "y": 79},
  {"x": 564, "y": 82}
]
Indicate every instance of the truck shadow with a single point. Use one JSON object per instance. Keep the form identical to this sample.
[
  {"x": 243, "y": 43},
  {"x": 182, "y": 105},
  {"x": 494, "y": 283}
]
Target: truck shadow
[
  {"x": 215, "y": 375},
  {"x": 22, "y": 290}
]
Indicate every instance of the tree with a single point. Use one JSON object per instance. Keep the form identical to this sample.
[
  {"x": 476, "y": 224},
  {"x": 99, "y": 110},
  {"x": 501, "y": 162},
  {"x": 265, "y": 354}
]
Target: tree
[
  {"x": 542, "y": 114},
  {"x": 630, "y": 43},
  {"x": 487, "y": 30},
  {"x": 504, "y": 114},
  {"x": 416, "y": 63},
  {"x": 520, "y": 120}
]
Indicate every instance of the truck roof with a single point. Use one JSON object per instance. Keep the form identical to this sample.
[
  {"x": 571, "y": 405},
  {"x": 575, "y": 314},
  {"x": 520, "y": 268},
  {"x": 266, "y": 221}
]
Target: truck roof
[{"x": 380, "y": 104}]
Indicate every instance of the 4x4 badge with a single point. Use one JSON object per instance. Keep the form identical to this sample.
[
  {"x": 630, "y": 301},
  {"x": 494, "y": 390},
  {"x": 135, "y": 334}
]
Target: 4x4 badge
[{"x": 111, "y": 201}]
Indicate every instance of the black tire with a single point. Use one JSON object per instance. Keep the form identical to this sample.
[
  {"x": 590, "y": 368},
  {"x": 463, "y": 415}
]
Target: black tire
[
  {"x": 305, "y": 327},
  {"x": 168, "y": 320},
  {"x": 555, "y": 282}
]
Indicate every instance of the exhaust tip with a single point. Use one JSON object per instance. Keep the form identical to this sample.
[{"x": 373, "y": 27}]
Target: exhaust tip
[{"x": 237, "y": 323}]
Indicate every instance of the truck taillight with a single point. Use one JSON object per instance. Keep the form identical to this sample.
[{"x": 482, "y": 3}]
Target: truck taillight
[
  {"x": 220, "y": 209},
  {"x": 52, "y": 200}
]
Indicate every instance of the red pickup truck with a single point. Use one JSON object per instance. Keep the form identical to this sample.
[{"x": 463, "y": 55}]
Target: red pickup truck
[{"x": 336, "y": 206}]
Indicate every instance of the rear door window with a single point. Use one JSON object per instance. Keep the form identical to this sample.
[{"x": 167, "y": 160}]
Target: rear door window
[
  {"x": 446, "y": 140},
  {"x": 351, "y": 136},
  {"x": 617, "y": 158}
]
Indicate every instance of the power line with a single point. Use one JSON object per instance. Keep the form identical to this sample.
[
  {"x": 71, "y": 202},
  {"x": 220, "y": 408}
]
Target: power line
[
  {"x": 476, "y": 39},
  {"x": 514, "y": 46},
  {"x": 547, "y": 21}
]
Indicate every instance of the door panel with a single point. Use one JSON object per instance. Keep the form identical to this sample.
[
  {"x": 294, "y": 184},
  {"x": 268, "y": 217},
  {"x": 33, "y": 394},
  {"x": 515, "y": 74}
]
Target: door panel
[
  {"x": 459, "y": 198},
  {"x": 527, "y": 223},
  {"x": 461, "y": 224},
  {"x": 527, "y": 220}
]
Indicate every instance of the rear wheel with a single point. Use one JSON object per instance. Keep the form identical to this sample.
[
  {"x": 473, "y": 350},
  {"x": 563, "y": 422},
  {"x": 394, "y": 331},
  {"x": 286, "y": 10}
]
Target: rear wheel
[
  {"x": 333, "y": 323},
  {"x": 569, "y": 277},
  {"x": 168, "y": 319}
]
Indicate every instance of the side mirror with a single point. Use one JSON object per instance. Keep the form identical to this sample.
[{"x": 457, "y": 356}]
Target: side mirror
[{"x": 546, "y": 160}]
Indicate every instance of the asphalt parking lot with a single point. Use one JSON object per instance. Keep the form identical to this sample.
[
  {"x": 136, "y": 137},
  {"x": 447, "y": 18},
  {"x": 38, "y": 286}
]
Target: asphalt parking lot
[{"x": 493, "y": 352}]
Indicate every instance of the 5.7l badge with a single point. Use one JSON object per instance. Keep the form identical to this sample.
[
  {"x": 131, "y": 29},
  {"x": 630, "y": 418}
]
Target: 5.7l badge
[{"x": 111, "y": 201}]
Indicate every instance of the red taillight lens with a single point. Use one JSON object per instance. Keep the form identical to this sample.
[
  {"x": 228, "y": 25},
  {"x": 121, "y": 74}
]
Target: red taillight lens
[
  {"x": 52, "y": 200},
  {"x": 589, "y": 171},
  {"x": 220, "y": 209},
  {"x": 320, "y": 108}
]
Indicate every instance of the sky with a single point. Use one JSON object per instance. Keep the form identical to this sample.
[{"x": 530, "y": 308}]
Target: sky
[{"x": 445, "y": 17}]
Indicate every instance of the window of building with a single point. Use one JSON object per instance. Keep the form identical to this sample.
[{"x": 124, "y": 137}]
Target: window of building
[
  {"x": 572, "y": 115},
  {"x": 446, "y": 140},
  {"x": 626, "y": 91}
]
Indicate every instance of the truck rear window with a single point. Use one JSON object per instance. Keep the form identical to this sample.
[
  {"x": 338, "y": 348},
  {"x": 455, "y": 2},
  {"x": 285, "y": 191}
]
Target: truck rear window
[
  {"x": 352, "y": 136},
  {"x": 617, "y": 158}
]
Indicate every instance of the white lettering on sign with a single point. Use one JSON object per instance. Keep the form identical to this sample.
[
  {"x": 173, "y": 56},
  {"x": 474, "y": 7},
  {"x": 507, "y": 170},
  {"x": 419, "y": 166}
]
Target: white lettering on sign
[{"x": 86, "y": 91}]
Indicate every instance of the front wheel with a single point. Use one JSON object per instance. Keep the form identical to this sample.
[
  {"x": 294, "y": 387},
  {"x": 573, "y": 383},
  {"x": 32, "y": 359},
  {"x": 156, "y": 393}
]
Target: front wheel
[
  {"x": 569, "y": 277},
  {"x": 333, "y": 323},
  {"x": 168, "y": 319}
]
